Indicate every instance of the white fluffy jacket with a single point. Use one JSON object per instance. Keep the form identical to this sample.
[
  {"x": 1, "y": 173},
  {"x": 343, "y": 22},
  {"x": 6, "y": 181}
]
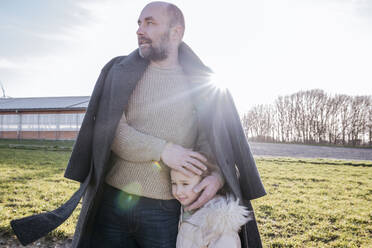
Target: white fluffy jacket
[{"x": 215, "y": 225}]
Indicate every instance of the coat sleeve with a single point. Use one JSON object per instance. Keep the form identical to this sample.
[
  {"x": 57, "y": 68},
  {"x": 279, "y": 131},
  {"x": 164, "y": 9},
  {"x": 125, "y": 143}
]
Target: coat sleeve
[
  {"x": 80, "y": 161},
  {"x": 249, "y": 179}
]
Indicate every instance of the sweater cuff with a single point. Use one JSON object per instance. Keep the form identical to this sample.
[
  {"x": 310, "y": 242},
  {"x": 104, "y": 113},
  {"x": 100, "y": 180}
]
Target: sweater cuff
[{"x": 159, "y": 148}]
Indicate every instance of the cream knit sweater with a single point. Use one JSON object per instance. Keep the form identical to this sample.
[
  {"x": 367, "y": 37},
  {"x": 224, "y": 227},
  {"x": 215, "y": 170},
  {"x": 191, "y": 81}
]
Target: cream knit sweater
[{"x": 160, "y": 110}]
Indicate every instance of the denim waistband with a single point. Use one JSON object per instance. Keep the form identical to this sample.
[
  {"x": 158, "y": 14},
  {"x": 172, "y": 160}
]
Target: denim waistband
[{"x": 114, "y": 193}]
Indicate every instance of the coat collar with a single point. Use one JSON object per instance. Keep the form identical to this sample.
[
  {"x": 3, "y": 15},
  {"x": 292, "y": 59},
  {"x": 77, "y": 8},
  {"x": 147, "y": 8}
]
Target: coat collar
[{"x": 222, "y": 214}]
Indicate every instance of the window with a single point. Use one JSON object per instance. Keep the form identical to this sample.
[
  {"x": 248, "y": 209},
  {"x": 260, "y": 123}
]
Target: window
[
  {"x": 41, "y": 122},
  {"x": 9, "y": 122}
]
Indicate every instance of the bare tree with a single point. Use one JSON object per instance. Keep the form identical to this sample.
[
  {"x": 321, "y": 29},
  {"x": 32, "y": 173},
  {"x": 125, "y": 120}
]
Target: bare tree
[
  {"x": 369, "y": 124},
  {"x": 312, "y": 116}
]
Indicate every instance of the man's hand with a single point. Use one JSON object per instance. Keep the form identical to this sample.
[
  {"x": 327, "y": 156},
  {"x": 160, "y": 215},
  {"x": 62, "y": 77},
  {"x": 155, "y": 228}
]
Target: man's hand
[
  {"x": 184, "y": 160},
  {"x": 209, "y": 187}
]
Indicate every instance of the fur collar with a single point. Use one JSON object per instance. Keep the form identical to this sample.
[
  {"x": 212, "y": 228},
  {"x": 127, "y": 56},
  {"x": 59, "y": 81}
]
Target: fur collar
[{"x": 222, "y": 214}]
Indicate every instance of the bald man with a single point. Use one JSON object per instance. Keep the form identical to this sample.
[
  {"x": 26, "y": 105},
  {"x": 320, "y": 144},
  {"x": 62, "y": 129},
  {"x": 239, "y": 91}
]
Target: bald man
[{"x": 157, "y": 132}]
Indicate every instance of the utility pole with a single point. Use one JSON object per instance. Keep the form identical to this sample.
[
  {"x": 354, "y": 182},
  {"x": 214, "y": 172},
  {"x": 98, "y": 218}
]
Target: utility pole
[{"x": 2, "y": 88}]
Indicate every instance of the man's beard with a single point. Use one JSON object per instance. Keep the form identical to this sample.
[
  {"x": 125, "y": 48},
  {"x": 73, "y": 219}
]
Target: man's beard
[{"x": 156, "y": 53}]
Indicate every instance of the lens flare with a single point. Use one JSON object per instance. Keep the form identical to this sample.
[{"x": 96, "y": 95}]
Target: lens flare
[
  {"x": 156, "y": 165},
  {"x": 127, "y": 201}
]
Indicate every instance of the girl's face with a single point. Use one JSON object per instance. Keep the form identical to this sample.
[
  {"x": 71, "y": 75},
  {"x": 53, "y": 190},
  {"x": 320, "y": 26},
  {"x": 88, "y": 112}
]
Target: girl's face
[{"x": 182, "y": 187}]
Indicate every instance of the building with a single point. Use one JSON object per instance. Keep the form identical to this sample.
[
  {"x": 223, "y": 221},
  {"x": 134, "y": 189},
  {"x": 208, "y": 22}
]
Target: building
[{"x": 52, "y": 118}]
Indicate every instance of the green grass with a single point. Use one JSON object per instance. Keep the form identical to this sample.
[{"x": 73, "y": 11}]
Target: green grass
[
  {"x": 31, "y": 181},
  {"x": 64, "y": 143},
  {"x": 310, "y": 203},
  {"x": 49, "y": 145},
  {"x": 315, "y": 203}
]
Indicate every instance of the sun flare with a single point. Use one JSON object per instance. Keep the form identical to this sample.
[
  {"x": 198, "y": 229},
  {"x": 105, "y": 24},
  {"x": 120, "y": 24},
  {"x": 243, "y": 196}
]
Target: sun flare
[{"x": 219, "y": 81}]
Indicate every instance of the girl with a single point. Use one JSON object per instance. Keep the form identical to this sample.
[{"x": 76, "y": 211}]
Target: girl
[{"x": 215, "y": 225}]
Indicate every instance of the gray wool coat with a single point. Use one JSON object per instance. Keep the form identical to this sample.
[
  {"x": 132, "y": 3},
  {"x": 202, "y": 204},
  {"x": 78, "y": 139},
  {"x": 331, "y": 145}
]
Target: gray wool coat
[{"x": 90, "y": 158}]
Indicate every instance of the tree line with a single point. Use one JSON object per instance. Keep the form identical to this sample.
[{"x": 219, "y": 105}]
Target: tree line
[{"x": 312, "y": 117}]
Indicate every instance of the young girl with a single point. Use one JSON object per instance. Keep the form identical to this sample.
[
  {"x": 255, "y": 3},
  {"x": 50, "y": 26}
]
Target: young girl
[{"x": 215, "y": 225}]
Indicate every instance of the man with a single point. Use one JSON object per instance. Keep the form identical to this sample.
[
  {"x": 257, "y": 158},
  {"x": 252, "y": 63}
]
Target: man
[
  {"x": 148, "y": 113},
  {"x": 153, "y": 143}
]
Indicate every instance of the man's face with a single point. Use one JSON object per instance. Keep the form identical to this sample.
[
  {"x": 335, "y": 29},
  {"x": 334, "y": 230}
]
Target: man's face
[
  {"x": 153, "y": 33},
  {"x": 182, "y": 187}
]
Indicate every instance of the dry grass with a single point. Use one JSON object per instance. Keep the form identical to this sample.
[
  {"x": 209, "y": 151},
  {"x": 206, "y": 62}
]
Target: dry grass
[
  {"x": 315, "y": 203},
  {"x": 310, "y": 203}
]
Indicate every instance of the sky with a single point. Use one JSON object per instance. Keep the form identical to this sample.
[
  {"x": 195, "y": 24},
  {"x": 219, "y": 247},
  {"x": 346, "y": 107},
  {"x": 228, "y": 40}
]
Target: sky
[{"x": 258, "y": 49}]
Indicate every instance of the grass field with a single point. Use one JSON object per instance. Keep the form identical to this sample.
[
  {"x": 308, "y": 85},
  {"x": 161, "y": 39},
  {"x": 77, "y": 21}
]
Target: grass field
[
  {"x": 310, "y": 203},
  {"x": 315, "y": 203}
]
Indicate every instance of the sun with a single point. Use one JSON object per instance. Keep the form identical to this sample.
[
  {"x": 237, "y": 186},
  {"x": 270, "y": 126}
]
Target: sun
[{"x": 219, "y": 81}]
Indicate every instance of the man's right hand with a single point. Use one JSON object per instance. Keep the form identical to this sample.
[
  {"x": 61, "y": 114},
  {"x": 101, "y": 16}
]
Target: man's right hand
[{"x": 184, "y": 160}]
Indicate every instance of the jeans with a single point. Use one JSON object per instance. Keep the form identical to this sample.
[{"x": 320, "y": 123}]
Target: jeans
[{"x": 131, "y": 221}]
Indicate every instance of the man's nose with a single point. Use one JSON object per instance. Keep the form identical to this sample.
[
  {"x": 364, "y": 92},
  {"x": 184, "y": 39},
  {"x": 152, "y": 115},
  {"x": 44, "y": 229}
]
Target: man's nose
[{"x": 139, "y": 30}]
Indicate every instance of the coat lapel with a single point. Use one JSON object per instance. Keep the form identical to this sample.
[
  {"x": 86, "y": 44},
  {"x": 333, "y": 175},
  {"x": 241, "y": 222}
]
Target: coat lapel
[
  {"x": 126, "y": 75},
  {"x": 119, "y": 85}
]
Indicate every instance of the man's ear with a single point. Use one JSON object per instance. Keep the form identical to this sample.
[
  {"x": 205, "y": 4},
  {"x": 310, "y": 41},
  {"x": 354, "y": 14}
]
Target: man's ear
[{"x": 177, "y": 33}]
